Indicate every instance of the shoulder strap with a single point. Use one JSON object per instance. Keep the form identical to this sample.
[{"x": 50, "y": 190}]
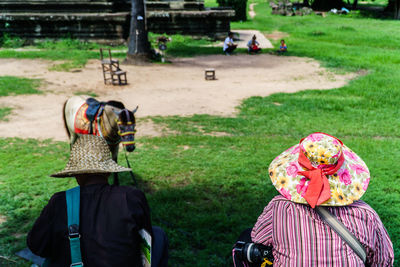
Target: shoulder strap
[
  {"x": 73, "y": 203},
  {"x": 342, "y": 231}
]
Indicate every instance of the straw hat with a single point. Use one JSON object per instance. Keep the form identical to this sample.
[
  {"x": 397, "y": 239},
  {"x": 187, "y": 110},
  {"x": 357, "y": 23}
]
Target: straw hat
[
  {"x": 320, "y": 170},
  {"x": 90, "y": 154}
]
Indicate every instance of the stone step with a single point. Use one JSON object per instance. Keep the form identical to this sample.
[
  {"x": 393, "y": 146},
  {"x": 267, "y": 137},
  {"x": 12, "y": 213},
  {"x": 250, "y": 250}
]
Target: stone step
[
  {"x": 54, "y": 6},
  {"x": 107, "y": 21},
  {"x": 50, "y": 1},
  {"x": 93, "y": 7},
  {"x": 175, "y": 5}
]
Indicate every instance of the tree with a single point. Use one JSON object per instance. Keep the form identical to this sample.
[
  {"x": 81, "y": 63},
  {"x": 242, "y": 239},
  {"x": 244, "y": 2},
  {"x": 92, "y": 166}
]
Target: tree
[
  {"x": 394, "y": 6},
  {"x": 240, "y": 7},
  {"x": 355, "y": 4},
  {"x": 138, "y": 43},
  {"x": 326, "y": 4},
  {"x": 396, "y": 9}
]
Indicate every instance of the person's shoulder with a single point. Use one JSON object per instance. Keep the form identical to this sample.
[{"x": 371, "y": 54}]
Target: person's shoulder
[
  {"x": 363, "y": 206},
  {"x": 362, "y": 210},
  {"x": 58, "y": 196},
  {"x": 125, "y": 189},
  {"x": 57, "y": 199},
  {"x": 129, "y": 191},
  {"x": 280, "y": 200}
]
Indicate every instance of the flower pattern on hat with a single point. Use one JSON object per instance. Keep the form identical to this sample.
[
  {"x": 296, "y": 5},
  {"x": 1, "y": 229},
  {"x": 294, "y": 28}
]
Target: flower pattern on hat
[
  {"x": 347, "y": 185},
  {"x": 321, "y": 149}
]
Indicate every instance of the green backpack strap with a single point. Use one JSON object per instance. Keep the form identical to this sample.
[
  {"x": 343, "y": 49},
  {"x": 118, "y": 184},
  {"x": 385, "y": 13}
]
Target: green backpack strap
[{"x": 73, "y": 202}]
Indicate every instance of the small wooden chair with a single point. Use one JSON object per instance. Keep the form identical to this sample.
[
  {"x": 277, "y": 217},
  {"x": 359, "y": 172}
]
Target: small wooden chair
[
  {"x": 209, "y": 74},
  {"x": 111, "y": 70}
]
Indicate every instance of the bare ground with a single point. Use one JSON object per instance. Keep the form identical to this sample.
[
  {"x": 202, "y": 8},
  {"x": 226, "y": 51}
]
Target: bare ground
[{"x": 171, "y": 89}]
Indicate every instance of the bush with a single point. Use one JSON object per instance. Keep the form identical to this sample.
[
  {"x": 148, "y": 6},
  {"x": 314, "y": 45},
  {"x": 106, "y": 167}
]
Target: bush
[
  {"x": 67, "y": 43},
  {"x": 8, "y": 41},
  {"x": 239, "y": 6}
]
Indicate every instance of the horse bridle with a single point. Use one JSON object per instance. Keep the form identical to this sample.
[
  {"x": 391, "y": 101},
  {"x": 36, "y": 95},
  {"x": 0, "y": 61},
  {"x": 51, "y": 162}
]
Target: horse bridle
[{"x": 129, "y": 131}]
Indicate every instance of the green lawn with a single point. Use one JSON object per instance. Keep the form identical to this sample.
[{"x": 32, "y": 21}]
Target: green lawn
[
  {"x": 74, "y": 54},
  {"x": 210, "y": 3},
  {"x": 4, "y": 112},
  {"x": 10, "y": 85},
  {"x": 203, "y": 190}
]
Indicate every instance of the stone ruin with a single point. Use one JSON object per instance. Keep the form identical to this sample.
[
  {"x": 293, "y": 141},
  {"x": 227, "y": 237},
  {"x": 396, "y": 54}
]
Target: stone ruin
[
  {"x": 290, "y": 9},
  {"x": 108, "y": 21}
]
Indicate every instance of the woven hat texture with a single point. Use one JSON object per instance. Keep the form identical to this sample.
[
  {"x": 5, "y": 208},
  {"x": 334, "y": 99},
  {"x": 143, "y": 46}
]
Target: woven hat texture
[{"x": 90, "y": 154}]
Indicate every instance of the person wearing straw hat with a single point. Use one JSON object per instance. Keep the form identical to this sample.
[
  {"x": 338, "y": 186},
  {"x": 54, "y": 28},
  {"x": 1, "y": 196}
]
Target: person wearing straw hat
[
  {"x": 321, "y": 172},
  {"x": 111, "y": 217}
]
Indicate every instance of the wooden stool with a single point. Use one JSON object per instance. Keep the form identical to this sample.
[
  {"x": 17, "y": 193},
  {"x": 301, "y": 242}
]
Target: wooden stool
[{"x": 209, "y": 74}]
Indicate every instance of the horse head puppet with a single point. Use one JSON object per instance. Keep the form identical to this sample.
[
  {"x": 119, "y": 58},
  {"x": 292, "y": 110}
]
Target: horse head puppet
[
  {"x": 126, "y": 124},
  {"x": 110, "y": 120}
]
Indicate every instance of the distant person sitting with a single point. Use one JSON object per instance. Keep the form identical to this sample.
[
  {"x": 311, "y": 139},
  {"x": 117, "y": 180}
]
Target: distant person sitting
[
  {"x": 229, "y": 46},
  {"x": 282, "y": 47},
  {"x": 253, "y": 46}
]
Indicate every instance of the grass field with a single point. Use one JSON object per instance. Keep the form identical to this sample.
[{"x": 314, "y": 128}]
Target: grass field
[
  {"x": 74, "y": 54},
  {"x": 10, "y": 85},
  {"x": 203, "y": 189},
  {"x": 4, "y": 112}
]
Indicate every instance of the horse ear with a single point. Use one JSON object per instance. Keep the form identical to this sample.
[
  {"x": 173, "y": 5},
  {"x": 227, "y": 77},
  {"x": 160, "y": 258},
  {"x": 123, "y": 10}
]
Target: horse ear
[
  {"x": 134, "y": 111},
  {"x": 117, "y": 112}
]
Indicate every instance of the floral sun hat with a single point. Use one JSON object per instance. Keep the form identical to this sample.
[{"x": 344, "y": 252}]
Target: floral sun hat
[{"x": 320, "y": 170}]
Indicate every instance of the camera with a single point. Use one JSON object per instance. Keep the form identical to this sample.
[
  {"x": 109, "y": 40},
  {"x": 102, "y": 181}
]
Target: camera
[{"x": 253, "y": 253}]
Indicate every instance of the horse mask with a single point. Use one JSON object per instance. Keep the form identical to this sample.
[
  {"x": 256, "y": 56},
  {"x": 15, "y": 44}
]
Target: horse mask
[{"x": 126, "y": 128}]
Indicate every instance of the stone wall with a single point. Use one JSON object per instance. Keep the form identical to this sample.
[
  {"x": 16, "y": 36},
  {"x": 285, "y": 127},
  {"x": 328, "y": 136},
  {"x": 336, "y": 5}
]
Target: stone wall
[{"x": 108, "y": 21}]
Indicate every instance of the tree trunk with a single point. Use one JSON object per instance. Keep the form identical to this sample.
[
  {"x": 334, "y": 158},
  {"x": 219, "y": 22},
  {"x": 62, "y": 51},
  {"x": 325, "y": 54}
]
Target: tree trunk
[
  {"x": 396, "y": 9},
  {"x": 138, "y": 43},
  {"x": 355, "y": 2},
  {"x": 393, "y": 6}
]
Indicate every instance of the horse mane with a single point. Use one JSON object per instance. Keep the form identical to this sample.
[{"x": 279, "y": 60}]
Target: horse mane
[{"x": 115, "y": 104}]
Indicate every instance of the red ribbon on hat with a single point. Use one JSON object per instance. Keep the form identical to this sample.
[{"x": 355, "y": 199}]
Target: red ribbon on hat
[{"x": 318, "y": 190}]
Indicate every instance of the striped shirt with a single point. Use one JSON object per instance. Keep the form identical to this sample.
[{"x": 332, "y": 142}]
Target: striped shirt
[{"x": 300, "y": 238}]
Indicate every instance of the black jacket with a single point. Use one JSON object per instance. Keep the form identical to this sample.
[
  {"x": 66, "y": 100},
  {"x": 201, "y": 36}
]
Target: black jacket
[{"x": 110, "y": 218}]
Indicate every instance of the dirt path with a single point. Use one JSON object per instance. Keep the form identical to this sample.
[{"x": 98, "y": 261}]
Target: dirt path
[
  {"x": 174, "y": 89},
  {"x": 252, "y": 13},
  {"x": 246, "y": 35}
]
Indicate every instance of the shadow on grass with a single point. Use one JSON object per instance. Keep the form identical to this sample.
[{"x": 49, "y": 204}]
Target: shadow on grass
[{"x": 202, "y": 190}]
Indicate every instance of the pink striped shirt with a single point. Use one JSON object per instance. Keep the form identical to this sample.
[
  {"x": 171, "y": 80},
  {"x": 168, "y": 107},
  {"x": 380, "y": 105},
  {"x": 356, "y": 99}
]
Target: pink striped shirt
[{"x": 300, "y": 238}]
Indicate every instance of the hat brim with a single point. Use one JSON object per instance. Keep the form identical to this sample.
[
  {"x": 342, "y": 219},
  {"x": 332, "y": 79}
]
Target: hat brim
[
  {"x": 347, "y": 185},
  {"x": 106, "y": 167}
]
